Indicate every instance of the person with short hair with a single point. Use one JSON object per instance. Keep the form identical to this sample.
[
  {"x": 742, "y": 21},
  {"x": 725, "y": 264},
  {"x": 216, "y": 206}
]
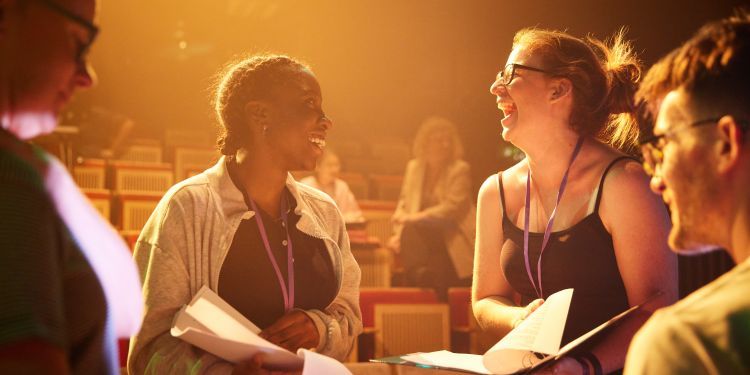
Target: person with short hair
[
  {"x": 576, "y": 212},
  {"x": 326, "y": 179},
  {"x": 699, "y": 162},
  {"x": 275, "y": 249},
  {"x": 68, "y": 285}
]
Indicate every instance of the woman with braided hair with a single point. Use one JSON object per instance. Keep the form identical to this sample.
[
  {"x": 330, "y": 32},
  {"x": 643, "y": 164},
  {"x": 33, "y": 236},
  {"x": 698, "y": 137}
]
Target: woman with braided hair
[
  {"x": 575, "y": 212},
  {"x": 274, "y": 249}
]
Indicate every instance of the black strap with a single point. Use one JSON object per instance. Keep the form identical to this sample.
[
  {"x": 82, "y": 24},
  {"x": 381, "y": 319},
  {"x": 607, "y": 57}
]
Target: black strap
[
  {"x": 502, "y": 193},
  {"x": 584, "y": 364},
  {"x": 604, "y": 175},
  {"x": 591, "y": 358}
]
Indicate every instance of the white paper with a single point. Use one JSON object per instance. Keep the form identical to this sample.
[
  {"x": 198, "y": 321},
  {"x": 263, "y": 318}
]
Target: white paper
[
  {"x": 211, "y": 324},
  {"x": 318, "y": 364},
  {"x": 225, "y": 320},
  {"x": 449, "y": 360},
  {"x": 540, "y": 332}
]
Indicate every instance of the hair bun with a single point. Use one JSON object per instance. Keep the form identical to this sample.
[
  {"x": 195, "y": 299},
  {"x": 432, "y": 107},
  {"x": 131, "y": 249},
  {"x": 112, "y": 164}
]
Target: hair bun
[{"x": 623, "y": 83}]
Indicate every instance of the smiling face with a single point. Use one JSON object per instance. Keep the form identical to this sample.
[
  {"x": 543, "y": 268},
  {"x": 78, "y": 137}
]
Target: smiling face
[
  {"x": 297, "y": 125},
  {"x": 686, "y": 179},
  {"x": 45, "y": 70},
  {"x": 523, "y": 100}
]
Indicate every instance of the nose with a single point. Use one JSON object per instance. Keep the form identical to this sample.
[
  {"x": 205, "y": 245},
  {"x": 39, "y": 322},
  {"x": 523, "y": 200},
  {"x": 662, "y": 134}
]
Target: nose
[
  {"x": 85, "y": 75},
  {"x": 326, "y": 121},
  {"x": 496, "y": 88}
]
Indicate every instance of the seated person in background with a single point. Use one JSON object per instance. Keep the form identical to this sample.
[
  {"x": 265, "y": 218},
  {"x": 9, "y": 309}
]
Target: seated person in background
[
  {"x": 606, "y": 236},
  {"x": 434, "y": 218},
  {"x": 326, "y": 180},
  {"x": 274, "y": 249},
  {"x": 68, "y": 285},
  {"x": 699, "y": 161}
]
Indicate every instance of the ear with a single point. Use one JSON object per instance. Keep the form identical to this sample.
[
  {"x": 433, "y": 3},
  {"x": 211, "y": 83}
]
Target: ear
[
  {"x": 257, "y": 113},
  {"x": 560, "y": 88},
  {"x": 731, "y": 142}
]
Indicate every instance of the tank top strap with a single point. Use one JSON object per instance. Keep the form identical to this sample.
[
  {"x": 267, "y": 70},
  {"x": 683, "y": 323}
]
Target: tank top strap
[
  {"x": 502, "y": 193},
  {"x": 604, "y": 176}
]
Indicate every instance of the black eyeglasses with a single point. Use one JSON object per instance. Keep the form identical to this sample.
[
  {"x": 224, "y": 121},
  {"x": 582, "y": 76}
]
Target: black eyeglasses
[
  {"x": 509, "y": 72},
  {"x": 90, "y": 27},
  {"x": 652, "y": 148}
]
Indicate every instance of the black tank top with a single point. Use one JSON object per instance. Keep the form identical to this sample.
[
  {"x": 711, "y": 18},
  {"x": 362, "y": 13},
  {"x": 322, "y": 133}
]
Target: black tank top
[{"x": 581, "y": 257}]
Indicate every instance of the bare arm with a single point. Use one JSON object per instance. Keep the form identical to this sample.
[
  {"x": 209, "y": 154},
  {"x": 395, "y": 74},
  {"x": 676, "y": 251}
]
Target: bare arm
[
  {"x": 491, "y": 294},
  {"x": 639, "y": 225}
]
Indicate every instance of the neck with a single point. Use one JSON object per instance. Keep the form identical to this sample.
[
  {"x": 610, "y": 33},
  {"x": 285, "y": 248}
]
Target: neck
[
  {"x": 739, "y": 241},
  {"x": 325, "y": 182},
  {"x": 262, "y": 179},
  {"x": 549, "y": 159},
  {"x": 24, "y": 124}
]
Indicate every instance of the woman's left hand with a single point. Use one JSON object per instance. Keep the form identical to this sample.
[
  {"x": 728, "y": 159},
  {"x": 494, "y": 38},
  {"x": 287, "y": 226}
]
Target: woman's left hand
[
  {"x": 293, "y": 331},
  {"x": 565, "y": 366}
]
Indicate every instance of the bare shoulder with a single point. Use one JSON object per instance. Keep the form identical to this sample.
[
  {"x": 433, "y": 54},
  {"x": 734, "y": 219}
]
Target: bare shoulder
[
  {"x": 490, "y": 186},
  {"x": 626, "y": 196},
  {"x": 626, "y": 176}
]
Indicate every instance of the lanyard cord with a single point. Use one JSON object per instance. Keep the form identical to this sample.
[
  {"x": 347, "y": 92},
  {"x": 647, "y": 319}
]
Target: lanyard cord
[
  {"x": 287, "y": 290},
  {"x": 551, "y": 220}
]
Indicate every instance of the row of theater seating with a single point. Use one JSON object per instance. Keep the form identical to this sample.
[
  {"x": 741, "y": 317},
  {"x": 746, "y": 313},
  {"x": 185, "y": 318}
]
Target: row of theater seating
[{"x": 127, "y": 190}]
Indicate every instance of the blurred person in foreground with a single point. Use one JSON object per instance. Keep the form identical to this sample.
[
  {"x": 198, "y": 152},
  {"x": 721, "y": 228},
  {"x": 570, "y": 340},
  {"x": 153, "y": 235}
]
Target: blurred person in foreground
[
  {"x": 699, "y": 161},
  {"x": 273, "y": 248},
  {"x": 576, "y": 212},
  {"x": 68, "y": 286},
  {"x": 434, "y": 218},
  {"x": 326, "y": 179}
]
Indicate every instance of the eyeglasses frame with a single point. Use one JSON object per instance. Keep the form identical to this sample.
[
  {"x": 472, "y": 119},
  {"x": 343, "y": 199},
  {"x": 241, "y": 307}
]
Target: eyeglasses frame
[
  {"x": 515, "y": 66},
  {"x": 92, "y": 29},
  {"x": 652, "y": 152}
]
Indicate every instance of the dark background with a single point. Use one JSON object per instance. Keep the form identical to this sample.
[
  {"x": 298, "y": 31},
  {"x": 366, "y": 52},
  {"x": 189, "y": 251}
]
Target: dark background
[{"x": 383, "y": 65}]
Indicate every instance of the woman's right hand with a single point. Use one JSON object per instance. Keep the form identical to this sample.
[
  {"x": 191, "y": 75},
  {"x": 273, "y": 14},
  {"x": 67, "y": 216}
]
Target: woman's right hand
[
  {"x": 526, "y": 311},
  {"x": 254, "y": 366}
]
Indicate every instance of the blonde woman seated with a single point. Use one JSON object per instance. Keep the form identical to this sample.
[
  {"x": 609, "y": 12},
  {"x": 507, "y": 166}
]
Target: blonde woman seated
[
  {"x": 326, "y": 179},
  {"x": 434, "y": 218}
]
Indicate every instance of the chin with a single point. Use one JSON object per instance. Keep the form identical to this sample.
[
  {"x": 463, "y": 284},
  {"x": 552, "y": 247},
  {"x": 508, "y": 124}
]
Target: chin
[
  {"x": 684, "y": 242},
  {"x": 30, "y": 125}
]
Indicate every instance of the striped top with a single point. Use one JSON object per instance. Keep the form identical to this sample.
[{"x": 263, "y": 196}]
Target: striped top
[{"x": 49, "y": 291}]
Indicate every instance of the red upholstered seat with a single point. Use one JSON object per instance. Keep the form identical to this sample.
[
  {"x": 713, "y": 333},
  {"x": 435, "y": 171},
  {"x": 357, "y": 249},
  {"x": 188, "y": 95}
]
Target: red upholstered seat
[
  {"x": 369, "y": 297},
  {"x": 459, "y": 300}
]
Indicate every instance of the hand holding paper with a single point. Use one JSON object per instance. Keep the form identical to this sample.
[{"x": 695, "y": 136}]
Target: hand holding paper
[
  {"x": 211, "y": 324},
  {"x": 293, "y": 331}
]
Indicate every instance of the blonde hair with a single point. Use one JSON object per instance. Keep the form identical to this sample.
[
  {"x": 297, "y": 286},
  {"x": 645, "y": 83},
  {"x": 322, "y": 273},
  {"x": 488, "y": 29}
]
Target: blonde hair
[
  {"x": 604, "y": 76},
  {"x": 436, "y": 124}
]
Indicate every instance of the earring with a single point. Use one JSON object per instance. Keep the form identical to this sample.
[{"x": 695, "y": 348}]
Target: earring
[{"x": 265, "y": 129}]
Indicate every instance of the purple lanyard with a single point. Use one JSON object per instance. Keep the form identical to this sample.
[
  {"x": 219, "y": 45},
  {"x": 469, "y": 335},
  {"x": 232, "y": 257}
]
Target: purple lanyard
[
  {"x": 288, "y": 294},
  {"x": 548, "y": 230}
]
